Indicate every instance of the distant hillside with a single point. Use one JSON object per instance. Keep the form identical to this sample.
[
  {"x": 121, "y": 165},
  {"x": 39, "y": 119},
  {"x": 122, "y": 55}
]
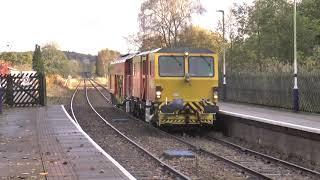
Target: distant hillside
[{"x": 80, "y": 56}]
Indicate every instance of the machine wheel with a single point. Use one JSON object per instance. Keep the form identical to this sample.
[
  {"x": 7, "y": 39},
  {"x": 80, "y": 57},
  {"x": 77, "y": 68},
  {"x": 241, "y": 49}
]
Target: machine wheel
[{"x": 155, "y": 120}]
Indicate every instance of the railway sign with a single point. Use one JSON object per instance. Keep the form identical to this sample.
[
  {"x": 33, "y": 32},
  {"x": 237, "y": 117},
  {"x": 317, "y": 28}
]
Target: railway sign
[
  {"x": 24, "y": 89},
  {"x": 25, "y": 81}
]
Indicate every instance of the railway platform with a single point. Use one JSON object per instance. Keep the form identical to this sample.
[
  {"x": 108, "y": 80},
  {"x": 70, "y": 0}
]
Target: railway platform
[
  {"x": 44, "y": 143},
  {"x": 290, "y": 135},
  {"x": 302, "y": 121}
]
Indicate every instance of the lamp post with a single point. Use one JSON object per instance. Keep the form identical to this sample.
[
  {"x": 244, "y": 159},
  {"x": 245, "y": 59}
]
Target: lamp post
[
  {"x": 295, "y": 87},
  {"x": 224, "y": 90}
]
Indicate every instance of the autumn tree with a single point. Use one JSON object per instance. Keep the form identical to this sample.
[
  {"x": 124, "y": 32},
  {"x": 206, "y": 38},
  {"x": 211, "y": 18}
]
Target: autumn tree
[
  {"x": 105, "y": 56},
  {"x": 197, "y": 37},
  {"x": 4, "y": 67},
  {"x": 165, "y": 19},
  {"x": 55, "y": 61}
]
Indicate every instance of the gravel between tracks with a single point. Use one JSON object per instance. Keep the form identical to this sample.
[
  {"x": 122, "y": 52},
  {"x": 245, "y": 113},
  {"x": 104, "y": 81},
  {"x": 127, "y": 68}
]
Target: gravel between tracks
[
  {"x": 132, "y": 159},
  {"x": 271, "y": 169},
  {"x": 270, "y": 151},
  {"x": 200, "y": 167}
]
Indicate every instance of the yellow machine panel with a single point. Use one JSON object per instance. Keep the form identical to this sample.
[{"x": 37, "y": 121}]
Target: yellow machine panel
[
  {"x": 196, "y": 93},
  {"x": 168, "y": 86}
]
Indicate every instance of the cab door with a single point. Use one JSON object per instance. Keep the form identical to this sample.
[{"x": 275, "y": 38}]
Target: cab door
[
  {"x": 128, "y": 78},
  {"x": 145, "y": 76}
]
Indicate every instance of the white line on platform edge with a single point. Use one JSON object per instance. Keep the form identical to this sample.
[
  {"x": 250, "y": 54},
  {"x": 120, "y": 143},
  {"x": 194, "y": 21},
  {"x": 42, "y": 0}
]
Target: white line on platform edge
[
  {"x": 122, "y": 169},
  {"x": 270, "y": 121}
]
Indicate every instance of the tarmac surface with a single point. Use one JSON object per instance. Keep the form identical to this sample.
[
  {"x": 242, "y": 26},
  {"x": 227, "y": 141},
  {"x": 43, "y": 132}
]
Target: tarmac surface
[{"x": 297, "y": 120}]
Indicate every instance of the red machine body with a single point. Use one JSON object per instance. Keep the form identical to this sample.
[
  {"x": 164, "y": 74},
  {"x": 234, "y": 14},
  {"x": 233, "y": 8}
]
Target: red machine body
[{"x": 132, "y": 76}]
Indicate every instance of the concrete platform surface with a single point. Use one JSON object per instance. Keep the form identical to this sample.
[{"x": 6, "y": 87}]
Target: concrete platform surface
[
  {"x": 43, "y": 143},
  {"x": 301, "y": 121}
]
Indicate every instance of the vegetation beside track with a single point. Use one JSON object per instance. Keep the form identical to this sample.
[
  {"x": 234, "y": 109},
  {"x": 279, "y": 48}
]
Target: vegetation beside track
[{"x": 59, "y": 89}]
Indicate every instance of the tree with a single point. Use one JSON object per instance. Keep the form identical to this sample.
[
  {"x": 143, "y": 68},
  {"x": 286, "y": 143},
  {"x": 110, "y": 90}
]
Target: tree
[
  {"x": 75, "y": 67},
  {"x": 139, "y": 42},
  {"x": 37, "y": 62},
  {"x": 17, "y": 58},
  {"x": 197, "y": 37},
  {"x": 165, "y": 19},
  {"x": 4, "y": 68},
  {"x": 55, "y": 61},
  {"x": 10, "y": 57},
  {"x": 105, "y": 56},
  {"x": 263, "y": 32},
  {"x": 25, "y": 57}
]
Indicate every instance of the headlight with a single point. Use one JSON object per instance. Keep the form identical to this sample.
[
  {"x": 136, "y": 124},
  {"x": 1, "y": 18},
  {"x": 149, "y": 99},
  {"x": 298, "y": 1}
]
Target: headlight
[
  {"x": 215, "y": 95},
  {"x": 158, "y": 93}
]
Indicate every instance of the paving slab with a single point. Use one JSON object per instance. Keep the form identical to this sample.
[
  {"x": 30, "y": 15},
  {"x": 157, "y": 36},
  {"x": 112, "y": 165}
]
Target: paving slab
[{"x": 43, "y": 143}]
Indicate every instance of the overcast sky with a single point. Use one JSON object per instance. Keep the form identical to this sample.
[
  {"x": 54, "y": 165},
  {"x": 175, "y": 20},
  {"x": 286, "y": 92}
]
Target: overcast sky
[{"x": 85, "y": 26}]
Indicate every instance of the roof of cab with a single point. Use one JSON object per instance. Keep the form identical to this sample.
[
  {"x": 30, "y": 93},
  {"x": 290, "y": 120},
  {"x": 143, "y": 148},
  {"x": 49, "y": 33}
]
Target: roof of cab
[
  {"x": 125, "y": 57},
  {"x": 185, "y": 49}
]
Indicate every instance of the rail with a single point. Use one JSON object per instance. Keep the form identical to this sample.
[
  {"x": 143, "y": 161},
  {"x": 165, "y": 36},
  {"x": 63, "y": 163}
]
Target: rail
[
  {"x": 163, "y": 164},
  {"x": 251, "y": 171}
]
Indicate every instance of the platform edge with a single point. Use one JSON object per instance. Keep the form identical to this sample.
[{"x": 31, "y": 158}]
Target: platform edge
[
  {"x": 121, "y": 168},
  {"x": 273, "y": 122}
]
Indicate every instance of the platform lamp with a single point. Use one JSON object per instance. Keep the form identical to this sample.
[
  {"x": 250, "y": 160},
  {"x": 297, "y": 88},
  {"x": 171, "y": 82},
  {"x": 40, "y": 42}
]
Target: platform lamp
[
  {"x": 295, "y": 73},
  {"x": 224, "y": 86}
]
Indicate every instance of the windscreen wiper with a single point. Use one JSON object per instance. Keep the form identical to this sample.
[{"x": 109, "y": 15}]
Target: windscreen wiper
[
  {"x": 204, "y": 58},
  {"x": 175, "y": 58}
]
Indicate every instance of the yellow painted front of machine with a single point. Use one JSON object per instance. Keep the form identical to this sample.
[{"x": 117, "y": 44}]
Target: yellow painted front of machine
[
  {"x": 178, "y": 118},
  {"x": 196, "y": 92}
]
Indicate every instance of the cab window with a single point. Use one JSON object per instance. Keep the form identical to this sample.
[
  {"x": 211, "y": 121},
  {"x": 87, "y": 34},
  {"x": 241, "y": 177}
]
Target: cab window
[
  {"x": 172, "y": 66},
  {"x": 201, "y": 66}
]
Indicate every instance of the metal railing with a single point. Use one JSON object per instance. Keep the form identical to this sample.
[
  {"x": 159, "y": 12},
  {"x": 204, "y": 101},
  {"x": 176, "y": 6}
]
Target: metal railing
[{"x": 274, "y": 89}]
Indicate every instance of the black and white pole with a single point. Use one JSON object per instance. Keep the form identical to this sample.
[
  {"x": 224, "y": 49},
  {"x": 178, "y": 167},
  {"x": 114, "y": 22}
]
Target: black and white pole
[
  {"x": 224, "y": 90},
  {"x": 295, "y": 87}
]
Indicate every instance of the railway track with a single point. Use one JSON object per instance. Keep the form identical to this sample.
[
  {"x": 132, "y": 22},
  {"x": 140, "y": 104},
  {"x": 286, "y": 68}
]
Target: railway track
[
  {"x": 266, "y": 166},
  {"x": 137, "y": 160},
  {"x": 254, "y": 163},
  {"x": 71, "y": 104},
  {"x": 255, "y": 153},
  {"x": 203, "y": 166}
]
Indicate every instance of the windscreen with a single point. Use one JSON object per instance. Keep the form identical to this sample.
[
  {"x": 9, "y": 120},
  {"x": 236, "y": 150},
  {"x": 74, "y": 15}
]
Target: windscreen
[
  {"x": 171, "y": 66},
  {"x": 201, "y": 66}
]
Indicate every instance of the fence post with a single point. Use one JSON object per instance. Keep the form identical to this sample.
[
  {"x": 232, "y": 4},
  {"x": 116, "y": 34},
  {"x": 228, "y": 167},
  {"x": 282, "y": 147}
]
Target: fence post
[
  {"x": 1, "y": 94},
  {"x": 9, "y": 90},
  {"x": 224, "y": 91},
  {"x": 42, "y": 89},
  {"x": 1, "y": 98},
  {"x": 296, "y": 105}
]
